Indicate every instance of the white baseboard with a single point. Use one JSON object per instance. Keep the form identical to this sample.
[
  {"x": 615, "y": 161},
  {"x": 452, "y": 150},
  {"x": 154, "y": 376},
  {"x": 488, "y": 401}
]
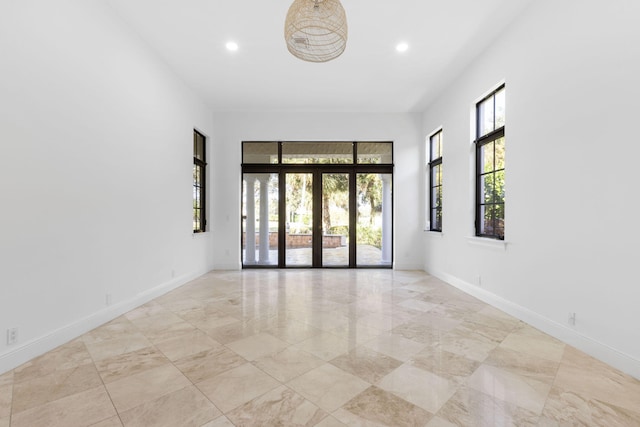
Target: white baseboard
[
  {"x": 56, "y": 338},
  {"x": 601, "y": 351}
]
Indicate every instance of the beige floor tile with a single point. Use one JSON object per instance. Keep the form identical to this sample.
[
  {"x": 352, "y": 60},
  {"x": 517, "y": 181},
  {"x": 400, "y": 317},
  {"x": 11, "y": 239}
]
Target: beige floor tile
[
  {"x": 206, "y": 364},
  {"x": 123, "y": 365},
  {"x": 293, "y": 331},
  {"x": 382, "y": 408},
  {"x": 146, "y": 386},
  {"x": 326, "y": 345},
  {"x": 288, "y": 364},
  {"x": 469, "y": 407},
  {"x": 208, "y": 320},
  {"x": 41, "y": 390},
  {"x": 109, "y": 422},
  {"x": 445, "y": 364},
  {"x": 162, "y": 327},
  {"x": 233, "y": 332},
  {"x": 440, "y": 422},
  {"x": 281, "y": 406},
  {"x": 357, "y": 332},
  {"x": 6, "y": 395},
  {"x": 257, "y": 346},
  {"x": 595, "y": 381},
  {"x": 149, "y": 309},
  {"x": 117, "y": 345},
  {"x": 328, "y": 387},
  {"x": 6, "y": 378},
  {"x": 219, "y": 422},
  {"x": 117, "y": 328},
  {"x": 437, "y": 321},
  {"x": 419, "y": 332},
  {"x": 331, "y": 421},
  {"x": 4, "y": 422},
  {"x": 509, "y": 387},
  {"x": 530, "y": 340},
  {"x": 64, "y": 357},
  {"x": 422, "y": 388},
  {"x": 185, "y": 407},
  {"x": 416, "y": 304},
  {"x": 187, "y": 344},
  {"x": 565, "y": 408},
  {"x": 395, "y": 346},
  {"x": 82, "y": 409},
  {"x": 366, "y": 364},
  {"x": 467, "y": 343},
  {"x": 526, "y": 365},
  {"x": 381, "y": 322},
  {"x": 237, "y": 386}
]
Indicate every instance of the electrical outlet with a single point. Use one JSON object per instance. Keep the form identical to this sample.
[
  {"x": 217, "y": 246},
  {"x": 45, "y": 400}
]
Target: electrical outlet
[
  {"x": 572, "y": 319},
  {"x": 107, "y": 299},
  {"x": 479, "y": 280},
  {"x": 12, "y": 336}
]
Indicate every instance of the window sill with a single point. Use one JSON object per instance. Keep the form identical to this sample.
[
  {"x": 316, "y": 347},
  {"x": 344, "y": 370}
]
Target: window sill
[
  {"x": 487, "y": 242},
  {"x": 433, "y": 233}
]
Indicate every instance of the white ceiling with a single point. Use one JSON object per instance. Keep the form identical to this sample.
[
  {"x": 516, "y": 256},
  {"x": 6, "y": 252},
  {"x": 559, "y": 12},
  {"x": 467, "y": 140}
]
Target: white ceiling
[{"x": 370, "y": 76}]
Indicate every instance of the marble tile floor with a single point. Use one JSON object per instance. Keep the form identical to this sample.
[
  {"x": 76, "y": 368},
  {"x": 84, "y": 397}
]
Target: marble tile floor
[{"x": 317, "y": 348}]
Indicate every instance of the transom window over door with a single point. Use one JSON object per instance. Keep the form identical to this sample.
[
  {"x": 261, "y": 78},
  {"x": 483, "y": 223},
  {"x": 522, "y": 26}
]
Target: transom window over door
[
  {"x": 317, "y": 204},
  {"x": 490, "y": 165}
]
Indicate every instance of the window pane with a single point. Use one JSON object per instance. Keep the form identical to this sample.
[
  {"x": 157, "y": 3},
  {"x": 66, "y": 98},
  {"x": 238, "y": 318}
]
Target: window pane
[
  {"x": 436, "y": 176},
  {"x": 486, "y": 157},
  {"x": 436, "y": 146},
  {"x": 375, "y": 152},
  {"x": 500, "y": 108},
  {"x": 198, "y": 146},
  {"x": 485, "y": 116},
  {"x": 317, "y": 152},
  {"x": 487, "y": 187},
  {"x": 499, "y": 186},
  {"x": 260, "y": 219},
  {"x": 499, "y": 220},
  {"x": 374, "y": 222},
  {"x": 299, "y": 237},
  {"x": 499, "y": 153},
  {"x": 259, "y": 152},
  {"x": 335, "y": 219}
]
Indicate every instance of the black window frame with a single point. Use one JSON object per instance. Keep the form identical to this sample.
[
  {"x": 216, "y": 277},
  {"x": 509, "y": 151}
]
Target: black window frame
[
  {"x": 481, "y": 141},
  {"x": 435, "y": 210},
  {"x": 199, "y": 185}
]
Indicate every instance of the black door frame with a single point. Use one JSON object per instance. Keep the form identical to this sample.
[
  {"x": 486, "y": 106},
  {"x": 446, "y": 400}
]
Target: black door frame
[{"x": 317, "y": 171}]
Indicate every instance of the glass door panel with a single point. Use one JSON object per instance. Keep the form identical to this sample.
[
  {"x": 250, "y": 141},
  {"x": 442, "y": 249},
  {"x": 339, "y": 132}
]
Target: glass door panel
[
  {"x": 374, "y": 219},
  {"x": 260, "y": 219},
  {"x": 335, "y": 219},
  {"x": 299, "y": 220}
]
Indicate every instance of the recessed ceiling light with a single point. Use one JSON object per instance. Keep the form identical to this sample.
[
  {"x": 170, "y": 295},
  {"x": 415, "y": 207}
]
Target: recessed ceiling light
[
  {"x": 232, "y": 46},
  {"x": 402, "y": 47}
]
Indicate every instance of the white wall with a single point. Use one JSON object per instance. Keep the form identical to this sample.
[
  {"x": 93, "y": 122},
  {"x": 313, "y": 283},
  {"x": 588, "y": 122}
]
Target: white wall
[
  {"x": 95, "y": 173},
  {"x": 233, "y": 128},
  {"x": 571, "y": 70}
]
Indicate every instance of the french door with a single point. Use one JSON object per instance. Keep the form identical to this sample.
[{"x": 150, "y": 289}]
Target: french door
[
  {"x": 320, "y": 213},
  {"x": 317, "y": 219}
]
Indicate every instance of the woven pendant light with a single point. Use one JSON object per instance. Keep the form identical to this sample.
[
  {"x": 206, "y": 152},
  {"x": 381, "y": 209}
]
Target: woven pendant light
[{"x": 316, "y": 30}]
